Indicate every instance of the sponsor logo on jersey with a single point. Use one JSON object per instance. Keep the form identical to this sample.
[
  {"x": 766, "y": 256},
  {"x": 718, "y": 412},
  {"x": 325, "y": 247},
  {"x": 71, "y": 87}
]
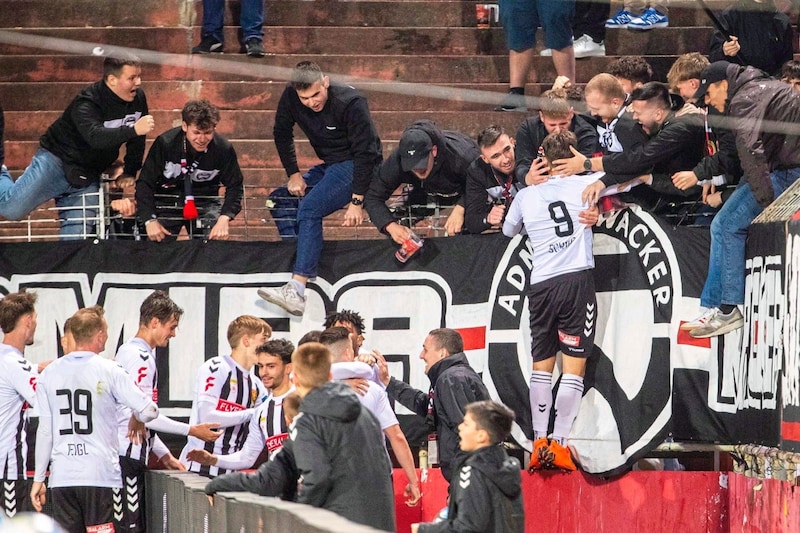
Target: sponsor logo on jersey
[
  {"x": 229, "y": 407},
  {"x": 275, "y": 442}
]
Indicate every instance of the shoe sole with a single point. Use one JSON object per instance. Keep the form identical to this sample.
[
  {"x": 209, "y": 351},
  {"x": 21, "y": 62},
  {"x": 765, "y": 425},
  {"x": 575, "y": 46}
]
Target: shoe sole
[
  {"x": 590, "y": 54},
  {"x": 647, "y": 28},
  {"x": 689, "y": 327},
  {"x": 727, "y": 328},
  {"x": 205, "y": 52},
  {"x": 274, "y": 301},
  {"x": 616, "y": 26},
  {"x": 511, "y": 109}
]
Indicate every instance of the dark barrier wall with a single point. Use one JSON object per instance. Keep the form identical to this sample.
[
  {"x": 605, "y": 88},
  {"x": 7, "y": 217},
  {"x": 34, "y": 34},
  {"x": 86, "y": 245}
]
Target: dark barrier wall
[{"x": 645, "y": 378}]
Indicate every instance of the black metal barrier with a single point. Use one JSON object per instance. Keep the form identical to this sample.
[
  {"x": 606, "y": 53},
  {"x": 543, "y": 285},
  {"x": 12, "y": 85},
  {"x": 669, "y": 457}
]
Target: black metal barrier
[{"x": 177, "y": 503}]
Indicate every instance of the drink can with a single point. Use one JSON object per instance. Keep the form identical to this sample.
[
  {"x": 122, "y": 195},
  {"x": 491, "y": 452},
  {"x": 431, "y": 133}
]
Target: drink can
[
  {"x": 409, "y": 248},
  {"x": 482, "y": 15}
]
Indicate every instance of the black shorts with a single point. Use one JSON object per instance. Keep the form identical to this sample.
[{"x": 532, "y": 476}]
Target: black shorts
[
  {"x": 129, "y": 511},
  {"x": 83, "y": 509},
  {"x": 563, "y": 312},
  {"x": 16, "y": 496}
]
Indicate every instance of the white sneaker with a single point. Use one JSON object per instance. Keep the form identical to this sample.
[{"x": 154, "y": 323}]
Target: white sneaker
[
  {"x": 702, "y": 320},
  {"x": 547, "y": 52},
  {"x": 584, "y": 46},
  {"x": 719, "y": 324},
  {"x": 286, "y": 297}
]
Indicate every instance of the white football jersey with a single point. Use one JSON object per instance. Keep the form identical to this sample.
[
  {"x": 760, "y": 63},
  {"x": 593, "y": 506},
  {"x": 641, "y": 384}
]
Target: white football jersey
[
  {"x": 77, "y": 399},
  {"x": 549, "y": 214},
  {"x": 139, "y": 360},
  {"x": 224, "y": 387},
  {"x": 267, "y": 429},
  {"x": 17, "y": 391}
]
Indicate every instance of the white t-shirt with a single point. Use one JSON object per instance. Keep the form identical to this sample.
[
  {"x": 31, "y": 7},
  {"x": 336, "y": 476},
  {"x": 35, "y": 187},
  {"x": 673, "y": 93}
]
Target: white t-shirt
[
  {"x": 226, "y": 394},
  {"x": 17, "y": 393},
  {"x": 549, "y": 214},
  {"x": 77, "y": 399}
]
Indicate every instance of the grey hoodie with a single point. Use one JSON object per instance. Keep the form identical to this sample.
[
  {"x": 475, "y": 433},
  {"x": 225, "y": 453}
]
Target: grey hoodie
[{"x": 338, "y": 447}]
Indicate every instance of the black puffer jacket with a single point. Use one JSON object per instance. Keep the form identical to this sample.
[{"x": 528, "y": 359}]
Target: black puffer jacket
[
  {"x": 487, "y": 496},
  {"x": 455, "y": 385},
  {"x": 338, "y": 447},
  {"x": 766, "y": 113}
]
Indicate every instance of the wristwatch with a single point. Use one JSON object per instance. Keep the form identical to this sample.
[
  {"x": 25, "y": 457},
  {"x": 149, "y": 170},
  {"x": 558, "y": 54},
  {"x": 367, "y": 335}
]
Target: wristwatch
[
  {"x": 356, "y": 201},
  {"x": 587, "y": 164}
]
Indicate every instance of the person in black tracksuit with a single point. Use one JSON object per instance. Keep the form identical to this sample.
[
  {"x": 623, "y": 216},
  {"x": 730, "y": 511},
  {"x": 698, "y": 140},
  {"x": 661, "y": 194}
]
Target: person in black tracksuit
[
  {"x": 276, "y": 477},
  {"x": 193, "y": 152},
  {"x": 488, "y": 495},
  {"x": 763, "y": 36},
  {"x": 434, "y": 162},
  {"x": 454, "y": 384},
  {"x": 490, "y": 181},
  {"x": 80, "y": 145},
  {"x": 338, "y": 446}
]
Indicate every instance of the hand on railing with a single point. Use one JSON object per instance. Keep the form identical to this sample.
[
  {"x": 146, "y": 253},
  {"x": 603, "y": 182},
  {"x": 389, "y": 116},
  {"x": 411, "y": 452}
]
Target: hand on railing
[
  {"x": 354, "y": 215},
  {"x": 220, "y": 229},
  {"x": 125, "y": 206},
  {"x": 155, "y": 231}
]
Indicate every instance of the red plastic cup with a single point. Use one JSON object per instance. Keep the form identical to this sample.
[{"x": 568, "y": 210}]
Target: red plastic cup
[{"x": 410, "y": 247}]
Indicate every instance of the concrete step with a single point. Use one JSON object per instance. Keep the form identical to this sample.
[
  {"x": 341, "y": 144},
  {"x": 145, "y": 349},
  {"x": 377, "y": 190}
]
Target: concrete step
[
  {"x": 263, "y": 95},
  {"x": 387, "y": 41},
  {"x": 29, "y": 126},
  {"x": 447, "y": 13},
  {"x": 434, "y": 69}
]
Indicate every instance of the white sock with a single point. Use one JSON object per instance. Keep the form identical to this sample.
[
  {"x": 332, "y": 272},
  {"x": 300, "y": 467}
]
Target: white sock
[
  {"x": 541, "y": 397},
  {"x": 299, "y": 287},
  {"x": 568, "y": 401}
]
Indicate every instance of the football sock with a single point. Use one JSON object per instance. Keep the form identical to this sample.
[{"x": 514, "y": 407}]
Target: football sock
[
  {"x": 568, "y": 401},
  {"x": 541, "y": 396}
]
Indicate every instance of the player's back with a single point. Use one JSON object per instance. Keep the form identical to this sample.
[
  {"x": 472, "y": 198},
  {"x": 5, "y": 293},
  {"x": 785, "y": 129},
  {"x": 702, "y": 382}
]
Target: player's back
[
  {"x": 17, "y": 385},
  {"x": 549, "y": 214}
]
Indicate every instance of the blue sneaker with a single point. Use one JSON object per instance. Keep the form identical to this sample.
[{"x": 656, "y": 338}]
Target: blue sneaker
[
  {"x": 620, "y": 20},
  {"x": 650, "y": 19}
]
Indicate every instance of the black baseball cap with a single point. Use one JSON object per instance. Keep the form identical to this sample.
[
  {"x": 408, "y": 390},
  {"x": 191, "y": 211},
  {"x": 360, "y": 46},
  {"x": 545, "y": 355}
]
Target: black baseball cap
[
  {"x": 716, "y": 71},
  {"x": 415, "y": 145}
]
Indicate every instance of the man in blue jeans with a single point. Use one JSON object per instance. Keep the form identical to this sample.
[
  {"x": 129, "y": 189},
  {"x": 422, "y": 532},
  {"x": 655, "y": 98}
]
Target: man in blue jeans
[
  {"x": 336, "y": 120},
  {"x": 251, "y": 19},
  {"x": 771, "y": 162},
  {"x": 80, "y": 145}
]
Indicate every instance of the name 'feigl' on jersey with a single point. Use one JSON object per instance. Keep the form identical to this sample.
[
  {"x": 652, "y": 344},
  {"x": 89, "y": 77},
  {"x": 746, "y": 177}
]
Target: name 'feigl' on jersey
[{"x": 549, "y": 212}]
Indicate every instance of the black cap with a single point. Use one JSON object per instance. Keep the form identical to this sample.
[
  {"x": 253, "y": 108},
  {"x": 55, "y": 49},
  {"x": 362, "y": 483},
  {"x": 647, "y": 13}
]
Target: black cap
[
  {"x": 716, "y": 71},
  {"x": 415, "y": 145}
]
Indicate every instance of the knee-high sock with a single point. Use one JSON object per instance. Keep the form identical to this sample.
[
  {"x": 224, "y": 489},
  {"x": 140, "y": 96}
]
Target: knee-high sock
[
  {"x": 541, "y": 396},
  {"x": 568, "y": 400}
]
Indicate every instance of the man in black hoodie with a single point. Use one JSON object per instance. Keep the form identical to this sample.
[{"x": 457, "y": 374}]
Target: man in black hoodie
[
  {"x": 434, "y": 162},
  {"x": 454, "y": 384},
  {"x": 488, "y": 496},
  {"x": 338, "y": 445},
  {"x": 336, "y": 120},
  {"x": 80, "y": 145}
]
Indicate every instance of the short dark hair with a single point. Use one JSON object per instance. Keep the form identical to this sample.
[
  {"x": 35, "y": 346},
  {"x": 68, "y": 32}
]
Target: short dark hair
[
  {"x": 790, "y": 70},
  {"x": 333, "y": 335},
  {"x": 159, "y": 306},
  {"x": 633, "y": 68},
  {"x": 489, "y": 135},
  {"x": 311, "y": 336},
  {"x": 492, "y": 417},
  {"x": 200, "y": 113},
  {"x": 345, "y": 315},
  {"x": 449, "y": 339},
  {"x": 281, "y": 348},
  {"x": 113, "y": 64},
  {"x": 556, "y": 145},
  {"x": 13, "y": 307},
  {"x": 306, "y": 74},
  {"x": 654, "y": 92}
]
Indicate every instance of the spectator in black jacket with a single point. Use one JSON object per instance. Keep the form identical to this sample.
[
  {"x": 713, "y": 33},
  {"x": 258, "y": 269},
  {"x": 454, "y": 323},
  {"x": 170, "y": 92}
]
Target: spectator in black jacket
[
  {"x": 490, "y": 181},
  {"x": 338, "y": 446},
  {"x": 488, "y": 496},
  {"x": 454, "y": 384},
  {"x": 790, "y": 73},
  {"x": 186, "y": 166},
  {"x": 720, "y": 166},
  {"x": 757, "y": 35},
  {"x": 336, "y": 120},
  {"x": 80, "y": 145},
  {"x": 434, "y": 162},
  {"x": 675, "y": 143},
  {"x": 556, "y": 114}
]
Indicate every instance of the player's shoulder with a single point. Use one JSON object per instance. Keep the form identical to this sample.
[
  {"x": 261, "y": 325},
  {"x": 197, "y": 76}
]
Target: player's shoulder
[{"x": 133, "y": 350}]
